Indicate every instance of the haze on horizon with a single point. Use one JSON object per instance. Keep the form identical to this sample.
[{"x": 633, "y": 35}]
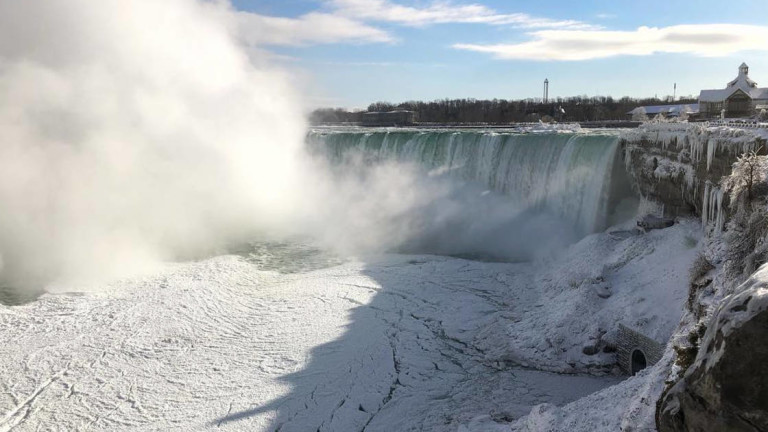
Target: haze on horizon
[{"x": 353, "y": 52}]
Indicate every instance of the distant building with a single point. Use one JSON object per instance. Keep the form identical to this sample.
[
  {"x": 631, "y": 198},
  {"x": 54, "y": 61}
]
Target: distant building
[
  {"x": 665, "y": 110},
  {"x": 740, "y": 98},
  {"x": 389, "y": 118}
]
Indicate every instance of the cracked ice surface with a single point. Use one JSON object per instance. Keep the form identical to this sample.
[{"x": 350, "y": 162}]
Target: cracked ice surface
[{"x": 394, "y": 343}]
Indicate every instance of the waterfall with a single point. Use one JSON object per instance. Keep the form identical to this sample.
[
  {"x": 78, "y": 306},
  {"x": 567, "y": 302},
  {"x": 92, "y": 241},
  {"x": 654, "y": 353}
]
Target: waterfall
[{"x": 567, "y": 174}]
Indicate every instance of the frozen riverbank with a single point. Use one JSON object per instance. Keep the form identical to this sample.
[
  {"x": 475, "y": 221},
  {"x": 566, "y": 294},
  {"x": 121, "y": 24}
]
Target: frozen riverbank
[
  {"x": 387, "y": 344},
  {"x": 392, "y": 343}
]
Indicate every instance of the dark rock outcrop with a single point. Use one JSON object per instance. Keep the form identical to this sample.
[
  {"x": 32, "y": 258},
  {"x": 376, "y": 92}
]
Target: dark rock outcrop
[
  {"x": 651, "y": 222},
  {"x": 726, "y": 389}
]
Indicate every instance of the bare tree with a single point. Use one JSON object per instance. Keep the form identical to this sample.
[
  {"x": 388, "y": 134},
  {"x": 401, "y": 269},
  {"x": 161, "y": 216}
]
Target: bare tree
[
  {"x": 501, "y": 111},
  {"x": 747, "y": 165}
]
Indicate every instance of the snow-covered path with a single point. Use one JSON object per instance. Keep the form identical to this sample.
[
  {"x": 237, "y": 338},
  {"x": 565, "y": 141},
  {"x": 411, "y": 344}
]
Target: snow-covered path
[{"x": 395, "y": 343}]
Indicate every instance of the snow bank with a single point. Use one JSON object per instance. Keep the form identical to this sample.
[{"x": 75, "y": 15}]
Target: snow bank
[
  {"x": 638, "y": 280},
  {"x": 550, "y": 127},
  {"x": 394, "y": 342},
  {"x": 579, "y": 300},
  {"x": 627, "y": 406}
]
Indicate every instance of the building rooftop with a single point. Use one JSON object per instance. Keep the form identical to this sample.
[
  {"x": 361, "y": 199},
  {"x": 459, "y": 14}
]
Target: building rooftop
[
  {"x": 742, "y": 82},
  {"x": 676, "y": 109}
]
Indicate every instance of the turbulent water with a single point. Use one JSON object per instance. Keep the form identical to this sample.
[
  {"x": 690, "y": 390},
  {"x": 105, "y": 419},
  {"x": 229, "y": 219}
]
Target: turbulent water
[
  {"x": 572, "y": 175},
  {"x": 288, "y": 256},
  {"x": 9, "y": 296}
]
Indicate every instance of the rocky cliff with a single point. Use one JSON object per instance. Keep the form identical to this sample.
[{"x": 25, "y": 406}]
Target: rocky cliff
[
  {"x": 718, "y": 381},
  {"x": 677, "y": 167},
  {"x": 726, "y": 389}
]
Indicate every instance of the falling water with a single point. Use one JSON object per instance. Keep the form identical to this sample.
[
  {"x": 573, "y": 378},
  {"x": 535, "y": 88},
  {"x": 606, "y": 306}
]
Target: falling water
[{"x": 568, "y": 174}]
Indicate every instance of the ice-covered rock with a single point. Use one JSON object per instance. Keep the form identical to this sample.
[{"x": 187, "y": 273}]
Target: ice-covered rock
[
  {"x": 679, "y": 165},
  {"x": 727, "y": 386},
  {"x": 651, "y": 222}
]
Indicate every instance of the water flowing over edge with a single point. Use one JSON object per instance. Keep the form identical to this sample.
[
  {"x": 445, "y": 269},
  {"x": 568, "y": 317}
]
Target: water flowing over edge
[{"x": 568, "y": 175}]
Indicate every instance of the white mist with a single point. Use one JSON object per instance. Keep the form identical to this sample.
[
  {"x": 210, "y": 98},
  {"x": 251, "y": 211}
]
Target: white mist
[{"x": 132, "y": 132}]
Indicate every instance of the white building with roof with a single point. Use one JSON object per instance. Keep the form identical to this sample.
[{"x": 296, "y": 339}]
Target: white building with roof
[
  {"x": 677, "y": 110},
  {"x": 740, "y": 98}
]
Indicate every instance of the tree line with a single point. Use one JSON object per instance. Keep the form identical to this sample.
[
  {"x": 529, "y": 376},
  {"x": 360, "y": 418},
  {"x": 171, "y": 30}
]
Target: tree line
[{"x": 501, "y": 111}]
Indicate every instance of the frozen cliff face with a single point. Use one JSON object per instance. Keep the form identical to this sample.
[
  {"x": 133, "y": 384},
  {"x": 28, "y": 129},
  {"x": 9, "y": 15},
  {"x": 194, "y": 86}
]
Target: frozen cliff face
[
  {"x": 727, "y": 386},
  {"x": 679, "y": 165}
]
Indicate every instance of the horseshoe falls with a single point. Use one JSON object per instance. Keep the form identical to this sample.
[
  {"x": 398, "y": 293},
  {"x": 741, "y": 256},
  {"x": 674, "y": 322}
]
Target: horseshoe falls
[
  {"x": 576, "y": 177},
  {"x": 294, "y": 334}
]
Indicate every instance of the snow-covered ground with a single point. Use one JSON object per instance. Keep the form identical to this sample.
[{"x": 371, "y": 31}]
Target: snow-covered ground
[{"x": 393, "y": 342}]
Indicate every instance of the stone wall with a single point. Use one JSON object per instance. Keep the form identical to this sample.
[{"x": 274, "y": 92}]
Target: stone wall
[
  {"x": 679, "y": 165},
  {"x": 629, "y": 341}
]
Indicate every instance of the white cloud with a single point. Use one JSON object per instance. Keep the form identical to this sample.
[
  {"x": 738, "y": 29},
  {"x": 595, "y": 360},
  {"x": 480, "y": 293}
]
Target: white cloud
[
  {"x": 441, "y": 12},
  {"x": 710, "y": 40},
  {"x": 311, "y": 28},
  {"x": 382, "y": 64},
  {"x": 345, "y": 21}
]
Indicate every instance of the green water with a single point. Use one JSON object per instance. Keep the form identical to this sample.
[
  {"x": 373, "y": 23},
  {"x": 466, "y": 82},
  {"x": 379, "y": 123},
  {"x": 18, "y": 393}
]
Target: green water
[
  {"x": 12, "y": 297},
  {"x": 568, "y": 174}
]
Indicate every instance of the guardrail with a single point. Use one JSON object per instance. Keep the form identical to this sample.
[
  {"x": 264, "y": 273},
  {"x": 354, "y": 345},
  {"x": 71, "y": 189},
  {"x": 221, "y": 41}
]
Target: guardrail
[
  {"x": 738, "y": 124},
  {"x": 587, "y": 124}
]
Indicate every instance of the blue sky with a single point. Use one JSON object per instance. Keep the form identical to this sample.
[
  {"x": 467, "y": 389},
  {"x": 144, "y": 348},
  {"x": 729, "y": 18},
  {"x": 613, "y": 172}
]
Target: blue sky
[{"x": 353, "y": 52}]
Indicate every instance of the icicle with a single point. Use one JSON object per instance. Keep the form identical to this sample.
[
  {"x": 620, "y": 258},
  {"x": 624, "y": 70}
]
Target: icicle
[
  {"x": 705, "y": 205},
  {"x": 690, "y": 180},
  {"x": 697, "y": 145},
  {"x": 720, "y": 216},
  {"x": 628, "y": 157},
  {"x": 712, "y": 207},
  {"x": 711, "y": 149},
  {"x": 712, "y": 204}
]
